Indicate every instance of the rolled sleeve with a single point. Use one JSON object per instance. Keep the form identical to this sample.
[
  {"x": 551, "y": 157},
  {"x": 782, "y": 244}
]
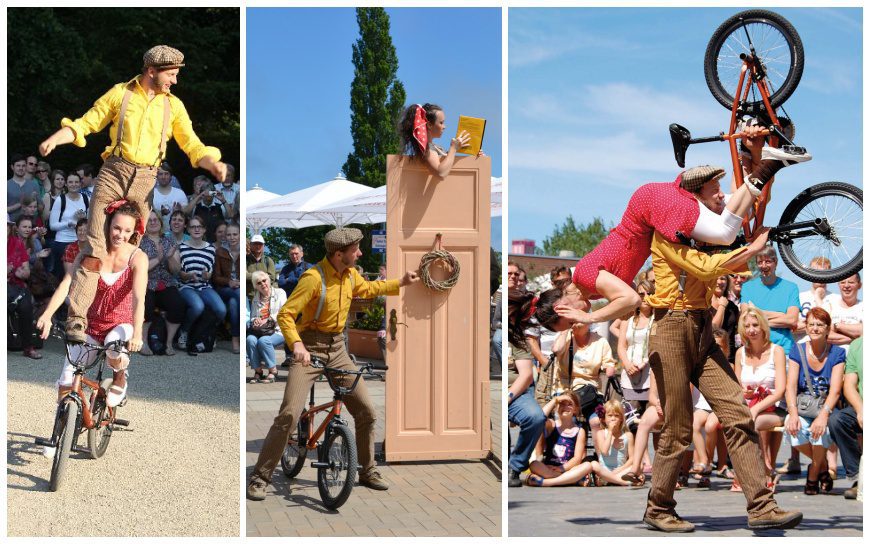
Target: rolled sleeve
[
  {"x": 188, "y": 141},
  {"x": 96, "y": 118}
]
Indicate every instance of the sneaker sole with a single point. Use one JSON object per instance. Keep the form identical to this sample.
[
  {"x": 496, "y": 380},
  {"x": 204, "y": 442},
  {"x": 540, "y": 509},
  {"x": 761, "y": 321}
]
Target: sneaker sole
[{"x": 786, "y": 524}]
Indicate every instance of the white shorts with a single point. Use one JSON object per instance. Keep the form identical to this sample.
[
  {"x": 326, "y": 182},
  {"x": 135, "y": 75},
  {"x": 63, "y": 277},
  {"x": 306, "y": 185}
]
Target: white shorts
[{"x": 122, "y": 332}]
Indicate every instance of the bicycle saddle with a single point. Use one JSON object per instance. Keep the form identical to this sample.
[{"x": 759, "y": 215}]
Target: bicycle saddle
[{"x": 680, "y": 137}]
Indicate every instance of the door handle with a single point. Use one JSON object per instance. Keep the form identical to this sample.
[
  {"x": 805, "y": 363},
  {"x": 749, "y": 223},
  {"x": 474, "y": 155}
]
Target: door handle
[{"x": 394, "y": 325}]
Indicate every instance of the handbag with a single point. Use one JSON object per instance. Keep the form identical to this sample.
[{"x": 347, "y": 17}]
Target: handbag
[
  {"x": 758, "y": 395},
  {"x": 545, "y": 386},
  {"x": 809, "y": 405},
  {"x": 266, "y": 328}
]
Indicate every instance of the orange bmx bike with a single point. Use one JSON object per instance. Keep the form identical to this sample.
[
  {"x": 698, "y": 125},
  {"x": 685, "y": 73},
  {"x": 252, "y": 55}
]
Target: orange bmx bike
[
  {"x": 336, "y": 455},
  {"x": 84, "y": 408},
  {"x": 752, "y": 65}
]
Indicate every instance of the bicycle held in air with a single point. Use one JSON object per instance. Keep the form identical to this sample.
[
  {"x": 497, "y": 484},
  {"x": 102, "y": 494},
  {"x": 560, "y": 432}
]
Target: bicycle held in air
[
  {"x": 84, "y": 408},
  {"x": 752, "y": 65},
  {"x": 336, "y": 462}
]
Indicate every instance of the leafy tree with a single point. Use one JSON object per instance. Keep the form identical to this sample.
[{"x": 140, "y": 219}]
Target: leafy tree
[
  {"x": 60, "y": 60},
  {"x": 580, "y": 239},
  {"x": 376, "y": 99}
]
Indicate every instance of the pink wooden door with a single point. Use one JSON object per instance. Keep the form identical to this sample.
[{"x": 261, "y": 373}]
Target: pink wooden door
[{"x": 437, "y": 403}]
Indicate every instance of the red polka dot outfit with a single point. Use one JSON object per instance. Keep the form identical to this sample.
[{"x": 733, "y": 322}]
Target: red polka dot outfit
[
  {"x": 662, "y": 207},
  {"x": 112, "y": 306}
]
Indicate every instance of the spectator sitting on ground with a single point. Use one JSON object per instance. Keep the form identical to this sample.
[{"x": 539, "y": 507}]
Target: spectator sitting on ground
[
  {"x": 227, "y": 276},
  {"x": 815, "y": 367},
  {"x": 260, "y": 345},
  {"x": 289, "y": 276},
  {"x": 845, "y": 424},
  {"x": 165, "y": 198},
  {"x": 257, "y": 259},
  {"x": 162, "y": 290},
  {"x": 565, "y": 446},
  {"x": 614, "y": 445}
]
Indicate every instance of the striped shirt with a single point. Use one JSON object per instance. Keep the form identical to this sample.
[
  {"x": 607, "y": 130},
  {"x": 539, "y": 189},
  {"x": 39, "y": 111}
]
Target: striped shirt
[{"x": 196, "y": 260}]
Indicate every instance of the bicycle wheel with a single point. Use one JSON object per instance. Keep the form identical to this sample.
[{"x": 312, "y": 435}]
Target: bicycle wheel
[
  {"x": 777, "y": 45},
  {"x": 99, "y": 436},
  {"x": 65, "y": 440},
  {"x": 295, "y": 452},
  {"x": 840, "y": 205},
  {"x": 336, "y": 481}
]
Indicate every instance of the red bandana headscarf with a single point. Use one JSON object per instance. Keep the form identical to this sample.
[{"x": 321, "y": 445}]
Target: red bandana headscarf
[
  {"x": 113, "y": 206},
  {"x": 421, "y": 134}
]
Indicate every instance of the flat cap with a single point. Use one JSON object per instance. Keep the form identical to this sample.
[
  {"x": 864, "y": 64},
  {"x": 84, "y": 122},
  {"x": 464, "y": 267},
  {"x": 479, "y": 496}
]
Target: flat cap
[
  {"x": 163, "y": 57},
  {"x": 340, "y": 238},
  {"x": 694, "y": 178}
]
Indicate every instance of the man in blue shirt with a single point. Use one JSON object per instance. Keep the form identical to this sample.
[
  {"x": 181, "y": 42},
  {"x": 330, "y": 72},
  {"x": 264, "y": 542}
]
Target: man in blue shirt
[
  {"x": 778, "y": 298},
  {"x": 289, "y": 276}
]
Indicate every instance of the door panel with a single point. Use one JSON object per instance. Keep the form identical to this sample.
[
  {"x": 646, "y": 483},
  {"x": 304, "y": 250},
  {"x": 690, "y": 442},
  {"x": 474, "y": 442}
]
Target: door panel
[{"x": 437, "y": 404}]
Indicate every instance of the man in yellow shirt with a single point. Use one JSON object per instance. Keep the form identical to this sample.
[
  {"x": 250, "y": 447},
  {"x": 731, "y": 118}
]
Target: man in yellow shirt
[
  {"x": 682, "y": 351},
  {"x": 144, "y": 116},
  {"x": 314, "y": 326}
]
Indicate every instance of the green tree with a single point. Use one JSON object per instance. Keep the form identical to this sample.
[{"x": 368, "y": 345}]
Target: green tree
[
  {"x": 580, "y": 239},
  {"x": 376, "y": 99}
]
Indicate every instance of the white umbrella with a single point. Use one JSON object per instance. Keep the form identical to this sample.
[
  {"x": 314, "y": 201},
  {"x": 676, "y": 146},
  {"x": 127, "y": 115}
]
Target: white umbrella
[
  {"x": 253, "y": 196},
  {"x": 303, "y": 208},
  {"x": 371, "y": 206}
]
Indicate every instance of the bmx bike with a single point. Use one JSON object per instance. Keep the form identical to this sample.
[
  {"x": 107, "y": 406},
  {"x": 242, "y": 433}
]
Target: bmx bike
[
  {"x": 84, "y": 408},
  {"x": 753, "y": 63},
  {"x": 336, "y": 455}
]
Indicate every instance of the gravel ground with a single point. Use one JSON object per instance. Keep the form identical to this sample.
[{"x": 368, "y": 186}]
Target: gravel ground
[{"x": 173, "y": 472}]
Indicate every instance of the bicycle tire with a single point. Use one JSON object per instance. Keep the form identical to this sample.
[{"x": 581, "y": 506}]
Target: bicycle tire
[
  {"x": 65, "y": 441},
  {"x": 840, "y": 198},
  {"x": 722, "y": 69},
  {"x": 293, "y": 458},
  {"x": 336, "y": 483},
  {"x": 99, "y": 436}
]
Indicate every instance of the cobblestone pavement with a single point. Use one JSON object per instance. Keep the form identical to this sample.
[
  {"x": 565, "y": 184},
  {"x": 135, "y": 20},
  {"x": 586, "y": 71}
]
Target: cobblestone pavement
[
  {"x": 617, "y": 511},
  {"x": 173, "y": 472},
  {"x": 455, "y": 498}
]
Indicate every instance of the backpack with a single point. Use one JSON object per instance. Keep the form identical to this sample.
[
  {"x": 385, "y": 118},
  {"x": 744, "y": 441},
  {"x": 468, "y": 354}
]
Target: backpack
[
  {"x": 157, "y": 335},
  {"x": 62, "y": 199},
  {"x": 204, "y": 331}
]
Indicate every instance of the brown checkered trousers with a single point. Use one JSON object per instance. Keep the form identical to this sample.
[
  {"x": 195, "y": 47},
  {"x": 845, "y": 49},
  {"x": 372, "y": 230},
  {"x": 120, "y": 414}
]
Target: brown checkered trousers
[
  {"x": 682, "y": 351},
  {"x": 331, "y": 348},
  {"x": 118, "y": 178}
]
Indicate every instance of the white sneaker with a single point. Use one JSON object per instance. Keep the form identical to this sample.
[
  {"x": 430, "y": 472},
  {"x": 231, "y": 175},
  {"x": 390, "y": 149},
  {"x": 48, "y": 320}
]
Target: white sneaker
[
  {"x": 48, "y": 452},
  {"x": 788, "y": 154},
  {"x": 182, "y": 339}
]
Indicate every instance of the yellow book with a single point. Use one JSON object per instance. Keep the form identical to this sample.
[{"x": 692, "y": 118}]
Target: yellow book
[{"x": 474, "y": 127}]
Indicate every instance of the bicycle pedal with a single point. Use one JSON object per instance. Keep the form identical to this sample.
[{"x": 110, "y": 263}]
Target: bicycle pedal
[
  {"x": 121, "y": 423},
  {"x": 43, "y": 442}
]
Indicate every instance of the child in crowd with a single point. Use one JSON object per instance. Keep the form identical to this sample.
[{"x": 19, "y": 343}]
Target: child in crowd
[
  {"x": 614, "y": 446},
  {"x": 565, "y": 446}
]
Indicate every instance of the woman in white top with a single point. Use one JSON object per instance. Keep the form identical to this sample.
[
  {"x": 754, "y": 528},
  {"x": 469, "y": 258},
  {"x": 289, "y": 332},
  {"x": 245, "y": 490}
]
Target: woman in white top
[
  {"x": 760, "y": 368},
  {"x": 58, "y": 185},
  {"x": 64, "y": 226}
]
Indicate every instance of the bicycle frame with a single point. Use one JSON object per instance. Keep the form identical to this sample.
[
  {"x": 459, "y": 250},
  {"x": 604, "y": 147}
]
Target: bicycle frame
[{"x": 334, "y": 406}]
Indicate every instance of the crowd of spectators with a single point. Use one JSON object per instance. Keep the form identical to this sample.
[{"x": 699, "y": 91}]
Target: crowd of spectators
[
  {"x": 192, "y": 242},
  {"x": 571, "y": 393}
]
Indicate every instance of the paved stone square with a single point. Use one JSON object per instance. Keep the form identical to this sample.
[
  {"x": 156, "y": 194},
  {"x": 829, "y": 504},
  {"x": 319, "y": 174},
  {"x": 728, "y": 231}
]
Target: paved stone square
[
  {"x": 617, "y": 511},
  {"x": 450, "y": 498}
]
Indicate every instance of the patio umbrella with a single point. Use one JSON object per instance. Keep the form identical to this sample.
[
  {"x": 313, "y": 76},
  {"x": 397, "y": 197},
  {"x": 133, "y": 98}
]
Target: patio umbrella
[{"x": 303, "y": 208}]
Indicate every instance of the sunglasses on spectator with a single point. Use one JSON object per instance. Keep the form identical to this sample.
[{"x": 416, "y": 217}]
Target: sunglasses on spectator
[
  {"x": 42, "y": 171},
  {"x": 262, "y": 281}
]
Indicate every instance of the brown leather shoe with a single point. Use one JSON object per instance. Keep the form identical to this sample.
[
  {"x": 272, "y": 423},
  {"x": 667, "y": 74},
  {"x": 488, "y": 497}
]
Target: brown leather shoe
[
  {"x": 777, "y": 519},
  {"x": 75, "y": 331},
  {"x": 373, "y": 480},
  {"x": 671, "y": 523},
  {"x": 256, "y": 490}
]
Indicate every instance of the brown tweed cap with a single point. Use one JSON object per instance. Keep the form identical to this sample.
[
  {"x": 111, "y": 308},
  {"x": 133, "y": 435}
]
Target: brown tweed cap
[
  {"x": 163, "y": 57},
  {"x": 338, "y": 239},
  {"x": 694, "y": 178}
]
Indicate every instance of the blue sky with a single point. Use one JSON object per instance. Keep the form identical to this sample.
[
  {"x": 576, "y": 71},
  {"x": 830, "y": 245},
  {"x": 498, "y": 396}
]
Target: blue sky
[
  {"x": 592, "y": 92},
  {"x": 299, "y": 73}
]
